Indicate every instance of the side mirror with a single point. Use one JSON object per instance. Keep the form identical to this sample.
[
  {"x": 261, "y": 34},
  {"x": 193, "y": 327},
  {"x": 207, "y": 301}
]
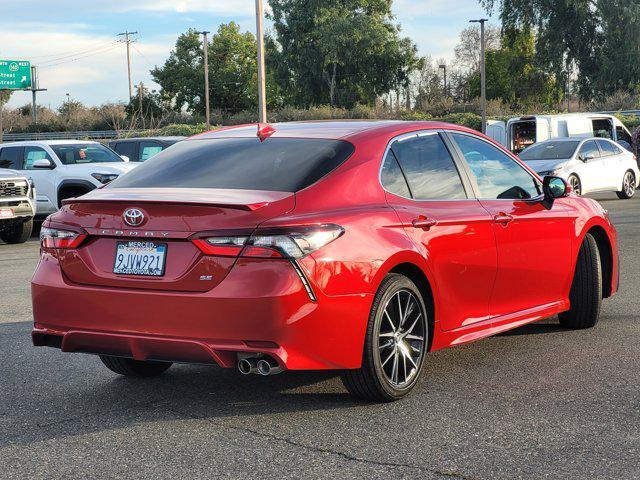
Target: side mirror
[
  {"x": 43, "y": 163},
  {"x": 125, "y": 158},
  {"x": 585, "y": 158},
  {"x": 554, "y": 187}
]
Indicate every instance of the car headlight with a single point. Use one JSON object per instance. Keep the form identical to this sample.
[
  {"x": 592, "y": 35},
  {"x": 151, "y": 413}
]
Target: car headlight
[{"x": 105, "y": 177}]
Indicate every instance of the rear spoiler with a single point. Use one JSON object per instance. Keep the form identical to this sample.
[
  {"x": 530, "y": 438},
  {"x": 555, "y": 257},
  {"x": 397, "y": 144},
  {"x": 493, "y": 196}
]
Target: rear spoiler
[{"x": 248, "y": 200}]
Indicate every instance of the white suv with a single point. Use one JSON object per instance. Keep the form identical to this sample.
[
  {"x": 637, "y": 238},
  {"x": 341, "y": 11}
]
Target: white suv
[{"x": 63, "y": 168}]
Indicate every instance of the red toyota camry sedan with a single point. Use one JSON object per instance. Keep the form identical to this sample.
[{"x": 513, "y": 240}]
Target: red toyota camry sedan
[{"x": 350, "y": 246}]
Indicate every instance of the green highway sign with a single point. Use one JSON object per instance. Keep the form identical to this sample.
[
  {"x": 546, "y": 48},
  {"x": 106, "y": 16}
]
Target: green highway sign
[{"x": 15, "y": 75}]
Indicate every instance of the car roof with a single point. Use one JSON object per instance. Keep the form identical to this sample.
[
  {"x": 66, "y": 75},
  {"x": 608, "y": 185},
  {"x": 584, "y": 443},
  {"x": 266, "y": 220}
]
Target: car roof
[
  {"x": 329, "y": 129},
  {"x": 49, "y": 142}
]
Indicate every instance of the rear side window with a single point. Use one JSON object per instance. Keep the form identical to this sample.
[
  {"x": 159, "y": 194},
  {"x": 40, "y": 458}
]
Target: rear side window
[
  {"x": 429, "y": 168},
  {"x": 149, "y": 149},
  {"x": 392, "y": 177},
  {"x": 11, "y": 157},
  {"x": 276, "y": 164}
]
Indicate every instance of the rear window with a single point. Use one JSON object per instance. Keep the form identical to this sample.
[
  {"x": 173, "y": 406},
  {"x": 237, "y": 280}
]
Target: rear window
[
  {"x": 550, "y": 151},
  {"x": 277, "y": 164}
]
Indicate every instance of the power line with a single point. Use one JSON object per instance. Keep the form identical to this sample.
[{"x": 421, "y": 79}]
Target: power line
[
  {"x": 73, "y": 52},
  {"x": 72, "y": 57},
  {"x": 81, "y": 57}
]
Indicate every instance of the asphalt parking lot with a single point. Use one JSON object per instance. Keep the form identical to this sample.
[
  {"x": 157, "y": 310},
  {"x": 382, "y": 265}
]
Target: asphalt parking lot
[{"x": 536, "y": 402}]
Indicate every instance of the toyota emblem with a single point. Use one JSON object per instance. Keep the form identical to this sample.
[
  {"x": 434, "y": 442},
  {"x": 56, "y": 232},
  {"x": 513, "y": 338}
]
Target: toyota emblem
[{"x": 133, "y": 217}]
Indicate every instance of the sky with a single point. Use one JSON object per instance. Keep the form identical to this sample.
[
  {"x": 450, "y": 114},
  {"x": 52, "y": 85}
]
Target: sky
[{"x": 74, "y": 42}]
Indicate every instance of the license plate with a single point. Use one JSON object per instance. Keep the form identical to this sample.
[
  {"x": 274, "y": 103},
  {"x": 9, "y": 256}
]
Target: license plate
[
  {"x": 140, "y": 258},
  {"x": 6, "y": 212}
]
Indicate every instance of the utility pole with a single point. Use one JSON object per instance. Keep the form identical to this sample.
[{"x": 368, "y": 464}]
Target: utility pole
[
  {"x": 483, "y": 74},
  {"x": 262, "y": 90},
  {"x": 35, "y": 88},
  {"x": 444, "y": 67},
  {"x": 205, "y": 48},
  {"x": 128, "y": 40}
]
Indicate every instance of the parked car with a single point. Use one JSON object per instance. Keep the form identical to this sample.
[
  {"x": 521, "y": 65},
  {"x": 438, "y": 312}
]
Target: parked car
[
  {"x": 141, "y": 149},
  {"x": 520, "y": 132},
  {"x": 17, "y": 207},
  {"x": 589, "y": 165},
  {"x": 62, "y": 169},
  {"x": 351, "y": 246}
]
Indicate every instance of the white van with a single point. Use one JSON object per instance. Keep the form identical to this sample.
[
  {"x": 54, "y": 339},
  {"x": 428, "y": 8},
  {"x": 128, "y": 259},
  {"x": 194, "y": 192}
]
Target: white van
[{"x": 520, "y": 132}]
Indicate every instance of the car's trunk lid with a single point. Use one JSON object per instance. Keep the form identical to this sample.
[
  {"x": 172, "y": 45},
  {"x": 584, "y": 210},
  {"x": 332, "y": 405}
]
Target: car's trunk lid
[{"x": 171, "y": 217}]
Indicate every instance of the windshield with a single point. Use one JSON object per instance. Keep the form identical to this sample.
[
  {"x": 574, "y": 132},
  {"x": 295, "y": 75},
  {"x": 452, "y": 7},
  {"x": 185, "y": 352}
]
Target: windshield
[
  {"x": 275, "y": 164},
  {"x": 550, "y": 151},
  {"x": 79, "y": 153}
]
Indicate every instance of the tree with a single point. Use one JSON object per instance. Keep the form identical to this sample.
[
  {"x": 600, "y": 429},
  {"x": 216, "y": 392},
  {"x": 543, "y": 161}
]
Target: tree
[
  {"x": 339, "y": 52},
  {"x": 233, "y": 85},
  {"x": 567, "y": 32},
  {"x": 512, "y": 75},
  {"x": 618, "y": 58},
  {"x": 467, "y": 51},
  {"x": 146, "y": 112}
]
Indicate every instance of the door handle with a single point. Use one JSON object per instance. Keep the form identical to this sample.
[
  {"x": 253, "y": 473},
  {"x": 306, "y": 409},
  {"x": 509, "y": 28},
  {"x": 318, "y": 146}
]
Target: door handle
[
  {"x": 424, "y": 223},
  {"x": 503, "y": 218}
]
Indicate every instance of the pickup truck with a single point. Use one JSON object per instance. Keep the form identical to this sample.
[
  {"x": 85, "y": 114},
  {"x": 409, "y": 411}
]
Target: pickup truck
[{"x": 17, "y": 206}]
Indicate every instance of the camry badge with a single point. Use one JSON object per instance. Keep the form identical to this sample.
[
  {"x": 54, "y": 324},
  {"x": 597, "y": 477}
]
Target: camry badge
[{"x": 133, "y": 217}]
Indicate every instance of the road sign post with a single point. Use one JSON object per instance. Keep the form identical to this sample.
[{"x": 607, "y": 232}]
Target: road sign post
[{"x": 15, "y": 75}]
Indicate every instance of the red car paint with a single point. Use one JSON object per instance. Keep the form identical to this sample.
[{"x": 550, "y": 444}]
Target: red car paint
[{"x": 490, "y": 265}]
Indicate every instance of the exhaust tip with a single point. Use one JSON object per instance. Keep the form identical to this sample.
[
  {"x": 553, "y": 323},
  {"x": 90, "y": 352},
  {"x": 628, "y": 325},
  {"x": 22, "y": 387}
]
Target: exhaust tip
[
  {"x": 264, "y": 367},
  {"x": 245, "y": 366}
]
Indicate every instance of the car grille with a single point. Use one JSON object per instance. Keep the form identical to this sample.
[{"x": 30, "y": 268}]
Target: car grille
[{"x": 13, "y": 189}]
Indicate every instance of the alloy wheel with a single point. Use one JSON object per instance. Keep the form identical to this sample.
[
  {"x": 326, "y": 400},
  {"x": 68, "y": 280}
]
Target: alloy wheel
[
  {"x": 629, "y": 184},
  {"x": 401, "y": 339},
  {"x": 575, "y": 184}
]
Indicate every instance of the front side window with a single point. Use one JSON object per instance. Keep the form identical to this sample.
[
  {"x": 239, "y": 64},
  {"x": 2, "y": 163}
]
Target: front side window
[
  {"x": 11, "y": 157},
  {"x": 589, "y": 150},
  {"x": 77, "y": 153},
  {"x": 608, "y": 148},
  {"x": 31, "y": 154},
  {"x": 275, "y": 164},
  {"x": 429, "y": 168},
  {"x": 497, "y": 175},
  {"x": 622, "y": 134},
  {"x": 128, "y": 149}
]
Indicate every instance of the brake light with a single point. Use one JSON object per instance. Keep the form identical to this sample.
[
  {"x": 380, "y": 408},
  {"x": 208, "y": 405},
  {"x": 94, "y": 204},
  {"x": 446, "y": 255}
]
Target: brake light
[
  {"x": 60, "y": 239},
  {"x": 289, "y": 242}
]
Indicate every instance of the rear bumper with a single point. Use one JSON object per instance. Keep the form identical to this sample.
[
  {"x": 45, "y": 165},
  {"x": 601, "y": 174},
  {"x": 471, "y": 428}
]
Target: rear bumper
[{"x": 261, "y": 306}]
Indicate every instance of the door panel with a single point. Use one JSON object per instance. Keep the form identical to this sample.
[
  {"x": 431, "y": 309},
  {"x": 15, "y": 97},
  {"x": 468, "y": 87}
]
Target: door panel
[
  {"x": 460, "y": 250},
  {"x": 533, "y": 243},
  {"x": 534, "y": 255},
  {"x": 452, "y": 232}
]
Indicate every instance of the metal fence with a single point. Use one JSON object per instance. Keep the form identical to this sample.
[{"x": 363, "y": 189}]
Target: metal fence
[{"x": 87, "y": 135}]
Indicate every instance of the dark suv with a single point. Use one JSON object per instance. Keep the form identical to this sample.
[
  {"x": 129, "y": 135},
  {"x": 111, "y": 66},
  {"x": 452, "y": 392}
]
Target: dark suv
[{"x": 141, "y": 149}]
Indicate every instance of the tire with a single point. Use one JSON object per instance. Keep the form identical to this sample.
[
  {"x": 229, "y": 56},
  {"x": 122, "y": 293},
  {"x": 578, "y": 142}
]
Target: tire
[
  {"x": 134, "y": 368},
  {"x": 19, "y": 233},
  {"x": 404, "y": 351},
  {"x": 586, "y": 290},
  {"x": 576, "y": 184},
  {"x": 628, "y": 186}
]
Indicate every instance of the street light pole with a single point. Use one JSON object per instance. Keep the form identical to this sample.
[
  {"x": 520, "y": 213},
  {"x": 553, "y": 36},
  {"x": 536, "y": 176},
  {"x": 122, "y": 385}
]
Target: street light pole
[
  {"x": 483, "y": 76},
  {"x": 205, "y": 48},
  {"x": 262, "y": 93}
]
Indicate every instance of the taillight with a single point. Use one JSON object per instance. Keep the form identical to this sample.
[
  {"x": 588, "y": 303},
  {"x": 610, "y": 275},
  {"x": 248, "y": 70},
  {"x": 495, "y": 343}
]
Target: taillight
[
  {"x": 61, "y": 239},
  {"x": 290, "y": 242}
]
